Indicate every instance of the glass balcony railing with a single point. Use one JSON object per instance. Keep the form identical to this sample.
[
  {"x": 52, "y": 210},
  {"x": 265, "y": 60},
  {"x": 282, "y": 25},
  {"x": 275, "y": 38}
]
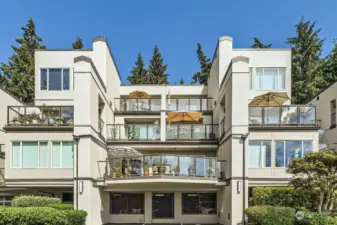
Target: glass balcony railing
[
  {"x": 282, "y": 116},
  {"x": 133, "y": 132},
  {"x": 138, "y": 105},
  {"x": 189, "y": 104},
  {"x": 40, "y": 116},
  {"x": 170, "y": 165},
  {"x": 192, "y": 132}
]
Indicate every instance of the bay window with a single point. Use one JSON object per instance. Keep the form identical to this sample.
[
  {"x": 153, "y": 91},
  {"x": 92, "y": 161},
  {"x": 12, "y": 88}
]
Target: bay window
[
  {"x": 267, "y": 78},
  {"x": 55, "y": 79},
  {"x": 259, "y": 154},
  {"x": 30, "y": 155},
  {"x": 62, "y": 154},
  {"x": 286, "y": 151}
]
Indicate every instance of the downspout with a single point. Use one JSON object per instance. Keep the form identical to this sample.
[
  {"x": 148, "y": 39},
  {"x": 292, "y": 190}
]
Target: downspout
[
  {"x": 243, "y": 138},
  {"x": 76, "y": 139}
]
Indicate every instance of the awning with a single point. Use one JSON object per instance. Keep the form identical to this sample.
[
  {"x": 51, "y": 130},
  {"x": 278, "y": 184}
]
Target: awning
[{"x": 270, "y": 99}]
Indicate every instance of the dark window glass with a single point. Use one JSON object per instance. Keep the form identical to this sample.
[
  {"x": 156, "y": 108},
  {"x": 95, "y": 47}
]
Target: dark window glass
[
  {"x": 163, "y": 205},
  {"x": 43, "y": 84},
  {"x": 67, "y": 197},
  {"x": 66, "y": 79},
  {"x": 55, "y": 79},
  {"x": 199, "y": 203},
  {"x": 127, "y": 203}
]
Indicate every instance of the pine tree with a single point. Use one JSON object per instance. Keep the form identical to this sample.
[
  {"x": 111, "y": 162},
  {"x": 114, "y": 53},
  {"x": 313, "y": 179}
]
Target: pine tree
[
  {"x": 330, "y": 68},
  {"x": 181, "y": 81},
  {"x": 259, "y": 44},
  {"x": 18, "y": 75},
  {"x": 307, "y": 73},
  {"x": 157, "y": 69},
  {"x": 78, "y": 44},
  {"x": 139, "y": 73},
  {"x": 205, "y": 67}
]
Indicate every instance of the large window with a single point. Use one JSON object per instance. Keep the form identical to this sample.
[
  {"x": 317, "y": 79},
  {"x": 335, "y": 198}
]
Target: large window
[
  {"x": 268, "y": 79},
  {"x": 30, "y": 155},
  {"x": 333, "y": 113},
  {"x": 199, "y": 203},
  {"x": 62, "y": 154},
  {"x": 55, "y": 79},
  {"x": 289, "y": 150},
  {"x": 127, "y": 203},
  {"x": 259, "y": 154},
  {"x": 162, "y": 205},
  {"x": 6, "y": 200}
]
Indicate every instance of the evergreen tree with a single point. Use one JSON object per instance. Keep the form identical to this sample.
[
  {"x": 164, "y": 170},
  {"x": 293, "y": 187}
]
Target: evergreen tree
[
  {"x": 78, "y": 44},
  {"x": 205, "y": 67},
  {"x": 181, "y": 81},
  {"x": 330, "y": 68},
  {"x": 157, "y": 69},
  {"x": 259, "y": 44},
  {"x": 18, "y": 75},
  {"x": 307, "y": 74},
  {"x": 139, "y": 73}
]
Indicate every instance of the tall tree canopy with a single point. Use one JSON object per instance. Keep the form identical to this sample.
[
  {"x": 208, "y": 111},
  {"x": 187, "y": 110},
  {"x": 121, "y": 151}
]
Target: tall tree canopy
[
  {"x": 259, "y": 44},
  {"x": 157, "y": 69},
  {"x": 201, "y": 77},
  {"x": 330, "y": 67},
  {"x": 317, "y": 172},
  {"x": 18, "y": 75},
  {"x": 181, "y": 81},
  {"x": 307, "y": 73},
  {"x": 138, "y": 72},
  {"x": 78, "y": 44}
]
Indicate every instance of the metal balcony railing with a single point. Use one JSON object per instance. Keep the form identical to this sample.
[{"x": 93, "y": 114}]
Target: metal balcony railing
[
  {"x": 40, "y": 116},
  {"x": 189, "y": 104},
  {"x": 282, "y": 116},
  {"x": 137, "y": 104},
  {"x": 192, "y": 132},
  {"x": 133, "y": 132},
  {"x": 170, "y": 165}
]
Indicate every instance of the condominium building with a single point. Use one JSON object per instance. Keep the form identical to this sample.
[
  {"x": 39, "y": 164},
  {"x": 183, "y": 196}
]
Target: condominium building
[{"x": 152, "y": 154}]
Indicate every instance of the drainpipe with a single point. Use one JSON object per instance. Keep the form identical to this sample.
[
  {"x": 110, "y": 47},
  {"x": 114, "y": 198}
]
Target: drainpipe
[
  {"x": 76, "y": 139},
  {"x": 243, "y": 138}
]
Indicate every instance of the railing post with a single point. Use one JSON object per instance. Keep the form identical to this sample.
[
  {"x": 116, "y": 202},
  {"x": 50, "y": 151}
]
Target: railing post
[
  {"x": 205, "y": 131},
  {"x": 178, "y": 131},
  {"x": 106, "y": 168},
  {"x": 25, "y": 115},
  {"x": 263, "y": 122},
  {"x": 137, "y": 100},
  {"x": 298, "y": 115},
  {"x": 178, "y": 163},
  {"x": 119, "y": 131},
  {"x": 177, "y": 105},
  {"x": 189, "y": 104},
  {"x": 280, "y": 115},
  {"x": 200, "y": 106},
  {"x": 192, "y": 126},
  {"x": 147, "y": 132},
  {"x": 150, "y": 104},
  {"x": 8, "y": 115}
]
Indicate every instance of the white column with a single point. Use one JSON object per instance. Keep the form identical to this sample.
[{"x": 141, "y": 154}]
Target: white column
[{"x": 148, "y": 208}]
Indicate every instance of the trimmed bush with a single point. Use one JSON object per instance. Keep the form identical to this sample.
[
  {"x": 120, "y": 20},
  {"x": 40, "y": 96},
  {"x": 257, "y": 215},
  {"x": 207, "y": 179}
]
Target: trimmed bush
[
  {"x": 61, "y": 206},
  {"x": 76, "y": 217},
  {"x": 317, "y": 219},
  {"x": 270, "y": 215},
  {"x": 32, "y": 216},
  {"x": 34, "y": 201}
]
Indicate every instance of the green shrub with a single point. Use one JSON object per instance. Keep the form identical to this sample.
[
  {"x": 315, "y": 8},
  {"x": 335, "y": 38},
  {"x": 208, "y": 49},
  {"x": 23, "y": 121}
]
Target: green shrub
[
  {"x": 270, "y": 215},
  {"x": 61, "y": 206},
  {"x": 32, "y": 216},
  {"x": 34, "y": 201},
  {"x": 76, "y": 217}
]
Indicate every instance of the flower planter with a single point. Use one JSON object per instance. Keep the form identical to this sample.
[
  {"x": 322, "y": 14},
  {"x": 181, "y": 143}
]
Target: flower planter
[
  {"x": 162, "y": 169},
  {"x": 146, "y": 172}
]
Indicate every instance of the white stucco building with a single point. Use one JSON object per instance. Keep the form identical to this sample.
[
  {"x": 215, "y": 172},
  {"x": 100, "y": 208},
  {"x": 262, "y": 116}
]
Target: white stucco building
[{"x": 86, "y": 141}]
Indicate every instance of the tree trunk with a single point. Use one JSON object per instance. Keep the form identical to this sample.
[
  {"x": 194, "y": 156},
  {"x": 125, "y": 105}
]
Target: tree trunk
[
  {"x": 326, "y": 200},
  {"x": 321, "y": 199},
  {"x": 332, "y": 200}
]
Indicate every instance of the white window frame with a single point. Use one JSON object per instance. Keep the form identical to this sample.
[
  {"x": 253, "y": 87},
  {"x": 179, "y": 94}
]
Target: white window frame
[
  {"x": 70, "y": 79},
  {"x": 38, "y": 155},
  {"x": 275, "y": 83},
  {"x": 3, "y": 199},
  {"x": 61, "y": 146},
  {"x": 284, "y": 151},
  {"x": 261, "y": 158}
]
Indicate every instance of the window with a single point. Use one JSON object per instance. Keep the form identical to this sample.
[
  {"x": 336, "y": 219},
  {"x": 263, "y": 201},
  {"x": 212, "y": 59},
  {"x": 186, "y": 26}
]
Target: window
[
  {"x": 127, "y": 203},
  {"x": 67, "y": 197},
  {"x": 268, "y": 79},
  {"x": 62, "y": 154},
  {"x": 55, "y": 79},
  {"x": 199, "y": 203},
  {"x": 251, "y": 78},
  {"x": 30, "y": 155},
  {"x": 6, "y": 200},
  {"x": 333, "y": 113},
  {"x": 163, "y": 205},
  {"x": 259, "y": 154},
  {"x": 289, "y": 150}
]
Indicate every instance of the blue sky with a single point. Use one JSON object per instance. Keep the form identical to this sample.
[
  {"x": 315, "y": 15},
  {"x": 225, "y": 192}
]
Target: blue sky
[{"x": 176, "y": 26}]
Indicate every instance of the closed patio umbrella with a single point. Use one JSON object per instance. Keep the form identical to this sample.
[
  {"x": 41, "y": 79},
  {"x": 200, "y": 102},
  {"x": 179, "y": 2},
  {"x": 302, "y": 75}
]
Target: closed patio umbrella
[{"x": 270, "y": 99}]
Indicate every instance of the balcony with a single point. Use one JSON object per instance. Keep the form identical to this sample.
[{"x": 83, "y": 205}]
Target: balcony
[
  {"x": 282, "y": 116},
  {"x": 173, "y": 166},
  {"x": 133, "y": 132},
  {"x": 24, "y": 116},
  {"x": 188, "y": 132},
  {"x": 140, "y": 105},
  {"x": 189, "y": 104}
]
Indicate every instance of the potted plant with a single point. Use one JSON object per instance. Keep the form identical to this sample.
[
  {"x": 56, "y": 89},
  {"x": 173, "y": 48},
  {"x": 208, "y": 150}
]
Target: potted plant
[
  {"x": 113, "y": 172},
  {"x": 16, "y": 120},
  {"x": 146, "y": 170},
  {"x": 118, "y": 172},
  {"x": 210, "y": 171},
  {"x": 176, "y": 170},
  {"x": 59, "y": 120},
  {"x": 190, "y": 169},
  {"x": 161, "y": 168},
  {"x": 70, "y": 122},
  {"x": 34, "y": 118}
]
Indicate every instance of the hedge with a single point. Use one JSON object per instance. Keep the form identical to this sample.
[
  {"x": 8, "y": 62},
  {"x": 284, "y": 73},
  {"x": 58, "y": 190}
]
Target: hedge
[
  {"x": 76, "y": 217},
  {"x": 61, "y": 206},
  {"x": 270, "y": 215},
  {"x": 317, "y": 219},
  {"x": 34, "y": 201}
]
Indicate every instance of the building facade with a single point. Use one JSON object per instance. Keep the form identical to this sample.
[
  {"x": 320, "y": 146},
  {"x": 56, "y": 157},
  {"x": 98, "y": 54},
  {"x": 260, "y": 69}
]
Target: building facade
[{"x": 179, "y": 154}]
